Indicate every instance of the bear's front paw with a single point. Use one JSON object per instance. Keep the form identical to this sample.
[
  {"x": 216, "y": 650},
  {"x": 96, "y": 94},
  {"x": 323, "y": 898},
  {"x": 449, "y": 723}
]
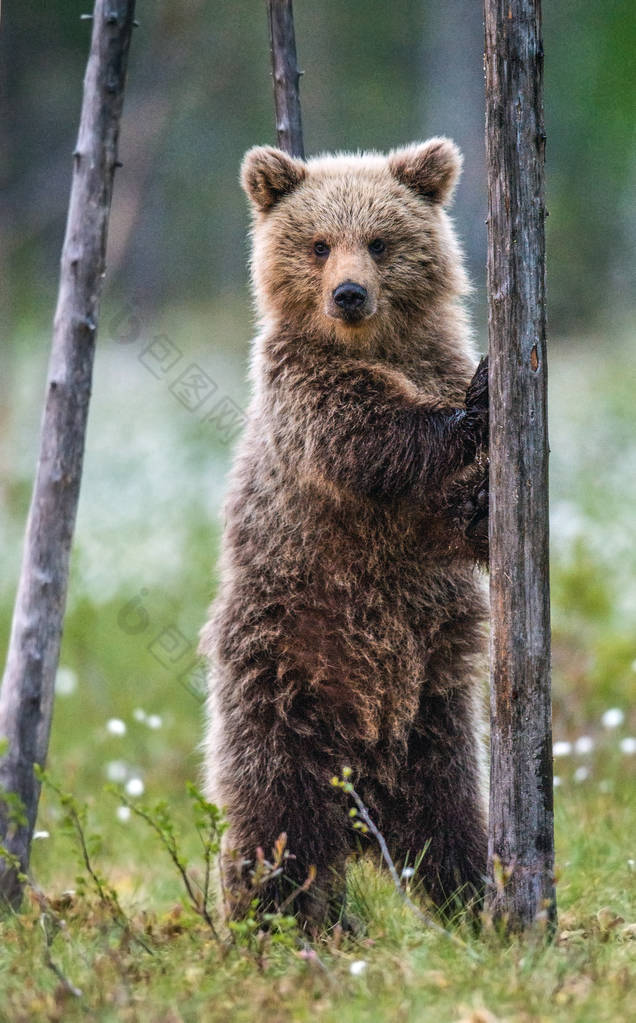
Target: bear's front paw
[
  {"x": 477, "y": 404},
  {"x": 477, "y": 390},
  {"x": 474, "y": 519}
]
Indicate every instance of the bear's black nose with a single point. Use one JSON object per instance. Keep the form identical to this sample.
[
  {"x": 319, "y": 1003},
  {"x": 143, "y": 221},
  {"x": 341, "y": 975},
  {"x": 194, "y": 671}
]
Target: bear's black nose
[{"x": 349, "y": 296}]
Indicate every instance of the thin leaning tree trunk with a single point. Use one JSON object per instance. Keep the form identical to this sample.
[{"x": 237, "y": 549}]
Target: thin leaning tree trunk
[
  {"x": 286, "y": 77},
  {"x": 26, "y": 697},
  {"x": 521, "y": 846}
]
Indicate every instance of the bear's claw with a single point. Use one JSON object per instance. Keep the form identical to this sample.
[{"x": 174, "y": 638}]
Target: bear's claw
[{"x": 475, "y": 518}]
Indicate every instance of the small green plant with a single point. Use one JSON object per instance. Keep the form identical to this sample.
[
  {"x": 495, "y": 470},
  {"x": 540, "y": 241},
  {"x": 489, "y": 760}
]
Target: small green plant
[
  {"x": 74, "y": 825},
  {"x": 210, "y": 825},
  {"x": 260, "y": 928},
  {"x": 13, "y": 812}
]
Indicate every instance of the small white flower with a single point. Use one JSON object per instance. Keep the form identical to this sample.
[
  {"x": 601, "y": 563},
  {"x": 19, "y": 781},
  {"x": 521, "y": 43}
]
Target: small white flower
[
  {"x": 40, "y": 834},
  {"x": 116, "y": 726},
  {"x": 556, "y": 781},
  {"x": 613, "y": 717},
  {"x": 65, "y": 681},
  {"x": 358, "y": 967},
  {"x": 408, "y": 872},
  {"x": 628, "y": 745},
  {"x": 123, "y": 813},
  {"x": 135, "y": 787},
  {"x": 116, "y": 770},
  {"x": 562, "y": 749},
  {"x": 581, "y": 774},
  {"x": 631, "y": 865},
  {"x": 584, "y": 744},
  {"x": 139, "y": 715},
  {"x": 154, "y": 721}
]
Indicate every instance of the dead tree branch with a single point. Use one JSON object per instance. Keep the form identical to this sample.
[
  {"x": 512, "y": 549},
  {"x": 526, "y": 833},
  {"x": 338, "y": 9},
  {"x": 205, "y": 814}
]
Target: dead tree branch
[
  {"x": 286, "y": 77},
  {"x": 26, "y": 698},
  {"x": 521, "y": 847}
]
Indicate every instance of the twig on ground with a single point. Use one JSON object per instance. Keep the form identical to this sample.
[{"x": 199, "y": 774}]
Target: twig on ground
[
  {"x": 305, "y": 886},
  {"x": 49, "y": 917},
  {"x": 45, "y": 920}
]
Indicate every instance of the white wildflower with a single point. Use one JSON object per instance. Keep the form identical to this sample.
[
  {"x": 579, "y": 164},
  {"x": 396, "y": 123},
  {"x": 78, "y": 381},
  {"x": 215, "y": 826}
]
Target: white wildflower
[
  {"x": 135, "y": 787},
  {"x": 613, "y": 717},
  {"x": 408, "y": 873},
  {"x": 357, "y": 968},
  {"x": 154, "y": 721},
  {"x": 116, "y": 726},
  {"x": 65, "y": 681},
  {"x": 584, "y": 744},
  {"x": 562, "y": 749},
  {"x": 556, "y": 781},
  {"x": 116, "y": 770},
  {"x": 123, "y": 813},
  {"x": 628, "y": 745},
  {"x": 40, "y": 834},
  {"x": 581, "y": 774},
  {"x": 139, "y": 715}
]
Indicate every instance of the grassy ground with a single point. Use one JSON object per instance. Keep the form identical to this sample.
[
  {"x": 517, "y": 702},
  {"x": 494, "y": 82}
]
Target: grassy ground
[
  {"x": 395, "y": 970},
  {"x": 129, "y": 712}
]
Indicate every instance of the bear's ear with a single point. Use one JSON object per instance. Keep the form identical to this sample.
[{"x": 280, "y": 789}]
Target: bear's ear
[
  {"x": 430, "y": 168},
  {"x": 267, "y": 174}
]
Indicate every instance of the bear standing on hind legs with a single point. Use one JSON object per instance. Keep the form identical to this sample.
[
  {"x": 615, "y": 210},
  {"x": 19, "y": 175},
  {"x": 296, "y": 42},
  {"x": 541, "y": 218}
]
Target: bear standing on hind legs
[{"x": 348, "y": 625}]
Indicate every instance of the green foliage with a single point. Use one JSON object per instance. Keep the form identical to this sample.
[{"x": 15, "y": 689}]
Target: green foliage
[
  {"x": 209, "y": 824},
  {"x": 13, "y": 862},
  {"x": 13, "y": 808},
  {"x": 582, "y": 589},
  {"x": 12, "y": 814},
  {"x": 376, "y": 75},
  {"x": 73, "y": 824}
]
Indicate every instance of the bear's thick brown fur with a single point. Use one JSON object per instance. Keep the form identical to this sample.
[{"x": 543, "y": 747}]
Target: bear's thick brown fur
[{"x": 348, "y": 625}]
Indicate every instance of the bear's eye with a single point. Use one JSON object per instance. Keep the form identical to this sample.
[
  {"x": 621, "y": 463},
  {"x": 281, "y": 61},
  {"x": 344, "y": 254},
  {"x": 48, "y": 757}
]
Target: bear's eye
[
  {"x": 321, "y": 249},
  {"x": 377, "y": 247}
]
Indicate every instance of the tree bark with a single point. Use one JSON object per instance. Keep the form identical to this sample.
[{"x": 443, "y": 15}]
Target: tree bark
[
  {"x": 26, "y": 697},
  {"x": 521, "y": 845},
  {"x": 286, "y": 77}
]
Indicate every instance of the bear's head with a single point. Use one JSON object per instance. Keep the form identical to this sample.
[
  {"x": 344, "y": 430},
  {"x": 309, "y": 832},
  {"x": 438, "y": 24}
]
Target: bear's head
[{"x": 353, "y": 245}]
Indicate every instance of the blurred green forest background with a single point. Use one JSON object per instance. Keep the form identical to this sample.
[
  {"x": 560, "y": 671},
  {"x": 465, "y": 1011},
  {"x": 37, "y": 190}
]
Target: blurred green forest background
[
  {"x": 199, "y": 93},
  {"x": 376, "y": 75}
]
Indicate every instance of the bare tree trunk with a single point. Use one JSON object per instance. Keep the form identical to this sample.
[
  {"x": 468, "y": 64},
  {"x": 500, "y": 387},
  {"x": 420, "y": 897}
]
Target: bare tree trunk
[
  {"x": 521, "y": 846},
  {"x": 286, "y": 77},
  {"x": 26, "y": 698}
]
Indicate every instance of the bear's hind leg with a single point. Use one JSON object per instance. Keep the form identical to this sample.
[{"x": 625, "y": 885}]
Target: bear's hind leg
[
  {"x": 308, "y": 880},
  {"x": 440, "y": 813}
]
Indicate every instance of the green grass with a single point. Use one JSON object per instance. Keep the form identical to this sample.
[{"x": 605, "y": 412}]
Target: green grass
[
  {"x": 142, "y": 574},
  {"x": 409, "y": 972}
]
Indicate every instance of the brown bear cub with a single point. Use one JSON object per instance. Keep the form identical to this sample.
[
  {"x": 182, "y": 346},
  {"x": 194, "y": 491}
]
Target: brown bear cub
[{"x": 349, "y": 623}]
